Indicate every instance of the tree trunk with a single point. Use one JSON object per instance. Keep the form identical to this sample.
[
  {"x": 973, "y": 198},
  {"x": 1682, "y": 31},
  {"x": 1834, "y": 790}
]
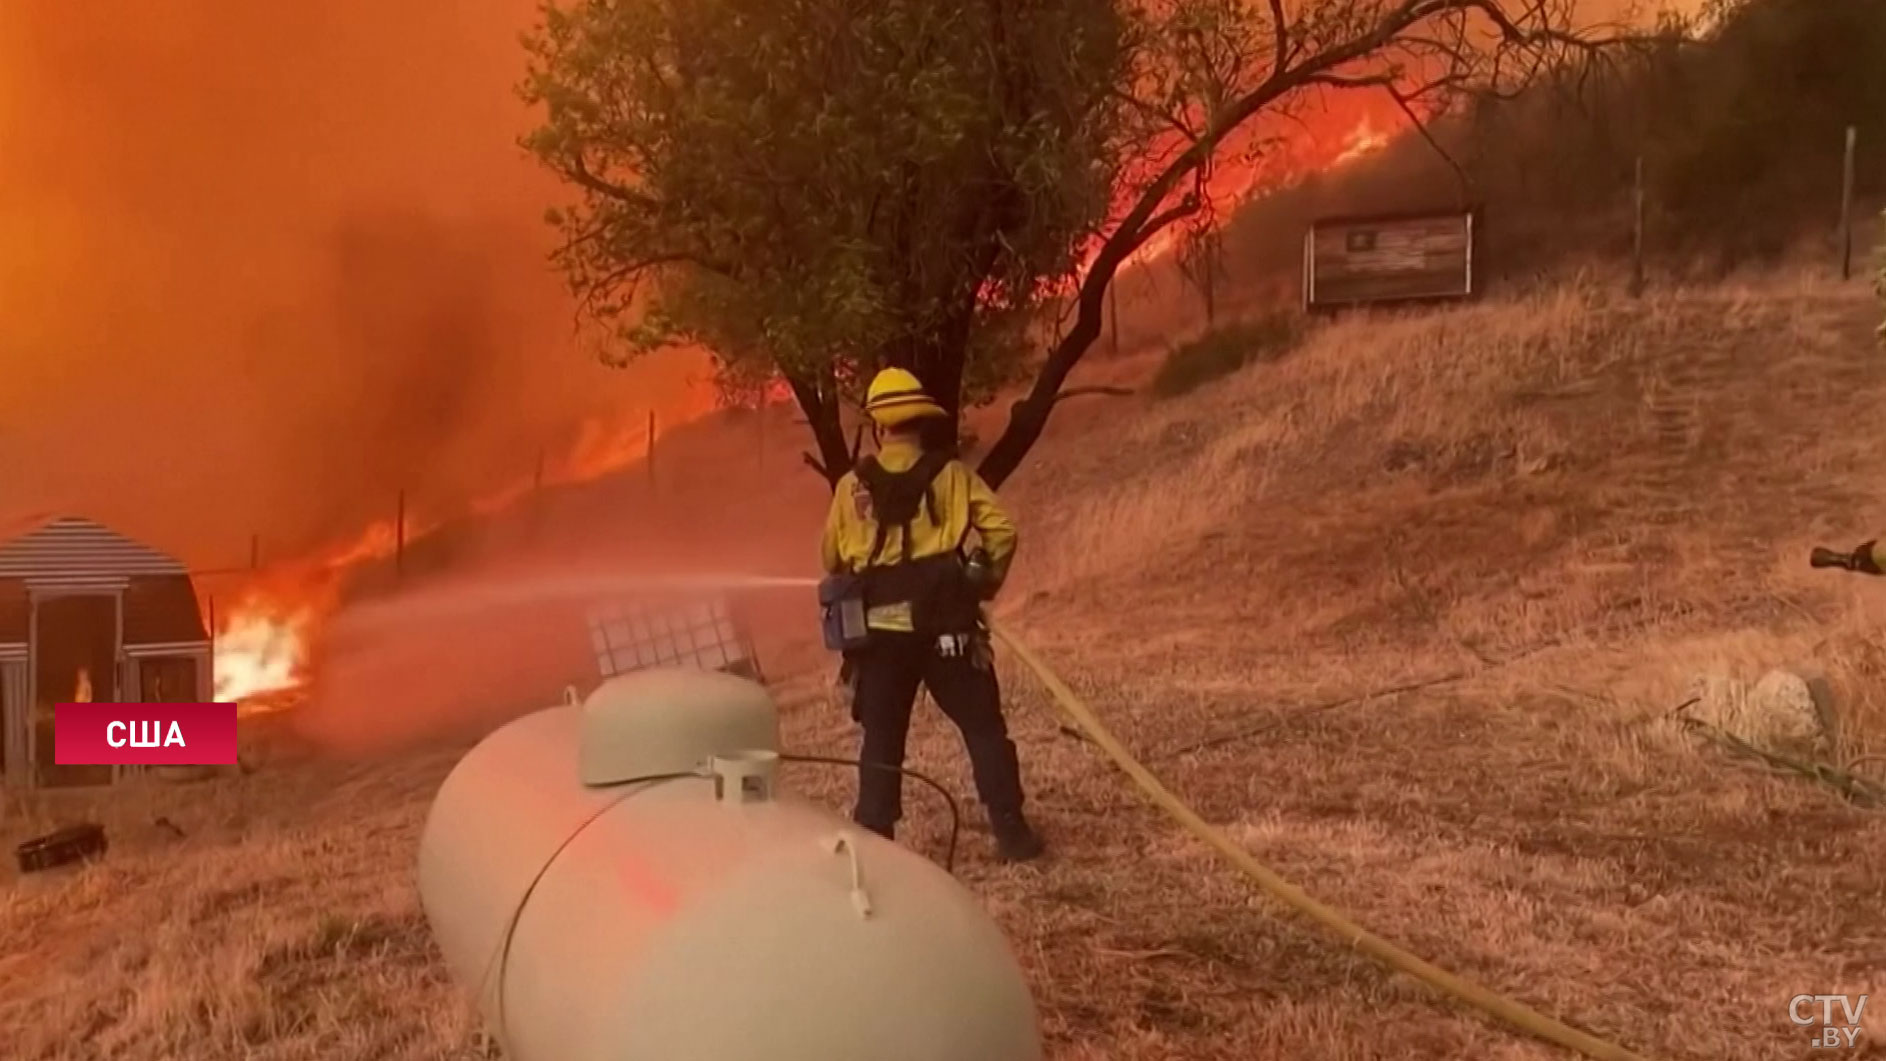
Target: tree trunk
[
  {"x": 1029, "y": 416},
  {"x": 938, "y": 361},
  {"x": 820, "y": 404}
]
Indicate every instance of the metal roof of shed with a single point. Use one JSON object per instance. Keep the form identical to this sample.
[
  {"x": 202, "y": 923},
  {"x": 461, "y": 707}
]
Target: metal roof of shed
[
  {"x": 70, "y": 549},
  {"x": 69, "y": 553}
]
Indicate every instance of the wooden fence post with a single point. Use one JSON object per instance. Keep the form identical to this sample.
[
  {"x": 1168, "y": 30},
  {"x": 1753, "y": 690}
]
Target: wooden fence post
[
  {"x": 1637, "y": 229},
  {"x": 649, "y": 460},
  {"x": 1211, "y": 280},
  {"x": 1846, "y": 206},
  {"x": 535, "y": 520}
]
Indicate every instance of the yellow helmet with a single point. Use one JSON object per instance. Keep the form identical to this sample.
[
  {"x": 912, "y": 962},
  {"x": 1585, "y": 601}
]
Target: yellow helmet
[{"x": 897, "y": 397}]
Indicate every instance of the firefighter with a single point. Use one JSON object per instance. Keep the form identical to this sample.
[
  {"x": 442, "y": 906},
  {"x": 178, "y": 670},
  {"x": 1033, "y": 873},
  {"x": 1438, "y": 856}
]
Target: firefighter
[
  {"x": 1868, "y": 558},
  {"x": 900, "y": 523}
]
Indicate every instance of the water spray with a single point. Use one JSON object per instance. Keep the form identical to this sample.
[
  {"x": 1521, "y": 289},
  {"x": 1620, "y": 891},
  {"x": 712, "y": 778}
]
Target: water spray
[{"x": 530, "y": 589}]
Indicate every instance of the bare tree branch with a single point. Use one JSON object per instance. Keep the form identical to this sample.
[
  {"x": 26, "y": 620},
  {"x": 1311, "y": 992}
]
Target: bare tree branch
[
  {"x": 1382, "y": 80},
  {"x": 1080, "y": 392},
  {"x": 579, "y": 173},
  {"x": 1460, "y": 172},
  {"x": 1280, "y": 35},
  {"x": 1167, "y": 119},
  {"x": 1028, "y": 417}
]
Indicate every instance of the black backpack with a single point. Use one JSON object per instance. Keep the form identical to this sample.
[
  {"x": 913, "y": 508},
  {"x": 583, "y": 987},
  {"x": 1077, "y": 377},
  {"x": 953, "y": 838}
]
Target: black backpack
[
  {"x": 895, "y": 497},
  {"x": 942, "y": 600}
]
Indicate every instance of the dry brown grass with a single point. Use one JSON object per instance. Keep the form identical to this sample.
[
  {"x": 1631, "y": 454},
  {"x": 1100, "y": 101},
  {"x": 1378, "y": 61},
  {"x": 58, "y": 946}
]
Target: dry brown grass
[{"x": 1546, "y": 513}]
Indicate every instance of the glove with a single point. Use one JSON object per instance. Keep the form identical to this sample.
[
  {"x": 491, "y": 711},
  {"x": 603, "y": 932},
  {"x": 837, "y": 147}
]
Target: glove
[{"x": 980, "y": 571}]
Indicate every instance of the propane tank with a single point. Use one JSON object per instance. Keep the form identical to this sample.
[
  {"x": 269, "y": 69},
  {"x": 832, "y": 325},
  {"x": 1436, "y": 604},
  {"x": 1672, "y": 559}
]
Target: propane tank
[{"x": 597, "y": 916}]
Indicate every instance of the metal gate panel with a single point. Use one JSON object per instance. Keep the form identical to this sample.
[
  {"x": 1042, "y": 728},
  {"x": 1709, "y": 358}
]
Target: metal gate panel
[{"x": 632, "y": 635}]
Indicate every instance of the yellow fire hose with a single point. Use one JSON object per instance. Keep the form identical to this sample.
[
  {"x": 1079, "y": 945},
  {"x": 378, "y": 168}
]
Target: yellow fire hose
[{"x": 1514, "y": 1013}]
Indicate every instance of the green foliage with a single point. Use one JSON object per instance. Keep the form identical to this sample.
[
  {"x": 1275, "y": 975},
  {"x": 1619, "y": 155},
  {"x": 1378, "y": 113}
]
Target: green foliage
[
  {"x": 1222, "y": 351},
  {"x": 821, "y": 187},
  {"x": 1741, "y": 131},
  {"x": 814, "y": 189}
]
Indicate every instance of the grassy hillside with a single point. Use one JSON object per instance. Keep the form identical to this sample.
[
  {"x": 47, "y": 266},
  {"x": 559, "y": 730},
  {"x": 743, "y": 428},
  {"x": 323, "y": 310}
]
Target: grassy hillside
[
  {"x": 1741, "y": 133},
  {"x": 1405, "y": 611}
]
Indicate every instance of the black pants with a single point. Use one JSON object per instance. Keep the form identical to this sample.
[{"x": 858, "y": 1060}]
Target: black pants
[{"x": 888, "y": 673}]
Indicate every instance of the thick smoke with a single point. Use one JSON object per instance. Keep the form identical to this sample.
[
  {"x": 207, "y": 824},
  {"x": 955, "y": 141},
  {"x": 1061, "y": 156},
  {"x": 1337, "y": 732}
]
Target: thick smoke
[{"x": 264, "y": 265}]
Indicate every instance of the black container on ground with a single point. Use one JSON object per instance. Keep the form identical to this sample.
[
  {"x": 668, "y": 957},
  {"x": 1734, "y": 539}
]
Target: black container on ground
[{"x": 70, "y": 844}]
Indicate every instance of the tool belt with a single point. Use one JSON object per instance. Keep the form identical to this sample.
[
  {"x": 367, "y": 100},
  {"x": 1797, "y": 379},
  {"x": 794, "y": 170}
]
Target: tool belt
[
  {"x": 943, "y": 599},
  {"x": 941, "y": 596}
]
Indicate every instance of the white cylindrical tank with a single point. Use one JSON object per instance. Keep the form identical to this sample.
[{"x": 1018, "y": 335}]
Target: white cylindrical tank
[{"x": 686, "y": 920}]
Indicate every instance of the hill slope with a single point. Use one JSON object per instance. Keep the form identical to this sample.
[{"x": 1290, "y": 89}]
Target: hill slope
[{"x": 1536, "y": 519}]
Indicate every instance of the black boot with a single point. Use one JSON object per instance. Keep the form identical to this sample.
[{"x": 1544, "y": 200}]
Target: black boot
[{"x": 1015, "y": 839}]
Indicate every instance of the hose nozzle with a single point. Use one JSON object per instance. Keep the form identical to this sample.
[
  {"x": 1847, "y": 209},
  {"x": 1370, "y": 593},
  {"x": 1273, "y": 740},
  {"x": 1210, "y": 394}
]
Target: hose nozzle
[{"x": 1822, "y": 557}]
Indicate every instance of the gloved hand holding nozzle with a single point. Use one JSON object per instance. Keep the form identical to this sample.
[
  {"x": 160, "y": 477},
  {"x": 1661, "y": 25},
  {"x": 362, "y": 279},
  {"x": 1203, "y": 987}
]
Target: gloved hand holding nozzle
[
  {"x": 980, "y": 570},
  {"x": 1864, "y": 558}
]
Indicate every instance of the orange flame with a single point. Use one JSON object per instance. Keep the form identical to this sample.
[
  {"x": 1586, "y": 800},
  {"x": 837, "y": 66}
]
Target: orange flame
[
  {"x": 82, "y": 693},
  {"x": 1364, "y": 139},
  {"x": 265, "y": 643},
  {"x": 260, "y": 651},
  {"x": 1253, "y": 164}
]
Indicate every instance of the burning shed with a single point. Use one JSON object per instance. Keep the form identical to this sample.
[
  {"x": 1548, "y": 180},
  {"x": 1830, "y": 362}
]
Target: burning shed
[{"x": 88, "y": 614}]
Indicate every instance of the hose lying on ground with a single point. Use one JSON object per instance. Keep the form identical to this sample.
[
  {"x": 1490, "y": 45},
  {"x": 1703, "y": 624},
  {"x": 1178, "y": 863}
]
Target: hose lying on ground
[{"x": 1514, "y": 1013}]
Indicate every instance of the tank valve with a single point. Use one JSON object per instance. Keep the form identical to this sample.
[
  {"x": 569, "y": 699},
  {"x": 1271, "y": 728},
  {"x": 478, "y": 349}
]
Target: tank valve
[
  {"x": 841, "y": 844},
  {"x": 744, "y": 777}
]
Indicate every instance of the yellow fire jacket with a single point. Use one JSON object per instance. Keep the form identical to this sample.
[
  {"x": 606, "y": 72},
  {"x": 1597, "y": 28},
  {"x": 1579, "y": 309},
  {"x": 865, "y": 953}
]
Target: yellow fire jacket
[{"x": 963, "y": 502}]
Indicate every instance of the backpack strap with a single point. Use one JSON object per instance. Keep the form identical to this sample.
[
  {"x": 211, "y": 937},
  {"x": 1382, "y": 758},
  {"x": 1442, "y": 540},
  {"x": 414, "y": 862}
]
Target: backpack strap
[
  {"x": 881, "y": 484},
  {"x": 928, "y": 467},
  {"x": 869, "y": 472}
]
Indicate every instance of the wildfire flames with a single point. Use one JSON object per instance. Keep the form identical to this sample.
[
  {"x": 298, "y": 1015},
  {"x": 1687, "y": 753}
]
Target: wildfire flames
[
  {"x": 260, "y": 653},
  {"x": 1364, "y": 139},
  {"x": 265, "y": 643},
  {"x": 82, "y": 692},
  {"x": 1240, "y": 177}
]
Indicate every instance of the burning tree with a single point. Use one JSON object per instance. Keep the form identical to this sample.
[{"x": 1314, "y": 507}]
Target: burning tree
[{"x": 817, "y": 189}]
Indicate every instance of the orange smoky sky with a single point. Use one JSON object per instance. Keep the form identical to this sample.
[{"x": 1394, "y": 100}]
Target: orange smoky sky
[{"x": 263, "y": 265}]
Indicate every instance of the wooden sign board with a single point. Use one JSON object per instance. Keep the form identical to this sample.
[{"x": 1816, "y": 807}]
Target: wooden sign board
[{"x": 1361, "y": 261}]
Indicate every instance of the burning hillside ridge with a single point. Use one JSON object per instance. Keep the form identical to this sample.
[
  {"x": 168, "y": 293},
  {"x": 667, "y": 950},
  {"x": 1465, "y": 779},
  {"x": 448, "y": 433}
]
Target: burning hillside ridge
[
  {"x": 268, "y": 266},
  {"x": 267, "y": 635},
  {"x": 266, "y": 641},
  {"x": 268, "y": 638}
]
